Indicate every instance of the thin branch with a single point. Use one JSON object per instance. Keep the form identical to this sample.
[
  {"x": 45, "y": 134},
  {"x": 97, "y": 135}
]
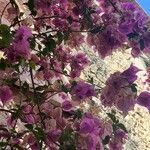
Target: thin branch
[
  {"x": 3, "y": 12},
  {"x": 17, "y": 22},
  {"x": 33, "y": 85},
  {"x": 60, "y": 72},
  {"x": 46, "y": 17},
  {"x": 32, "y": 80},
  {"x": 53, "y": 94},
  {"x": 8, "y": 111},
  {"x": 54, "y": 30},
  {"x": 114, "y": 6}
]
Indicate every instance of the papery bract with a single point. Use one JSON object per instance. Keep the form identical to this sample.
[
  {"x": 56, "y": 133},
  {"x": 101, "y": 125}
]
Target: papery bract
[
  {"x": 48, "y": 100},
  {"x": 130, "y": 73},
  {"x": 90, "y": 124},
  {"x": 144, "y": 99},
  {"x": 83, "y": 90},
  {"x": 5, "y": 94},
  {"x": 20, "y": 46},
  {"x": 118, "y": 91}
]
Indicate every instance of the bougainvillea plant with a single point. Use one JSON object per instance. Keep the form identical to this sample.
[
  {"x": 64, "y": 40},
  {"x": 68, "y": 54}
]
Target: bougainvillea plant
[{"x": 40, "y": 86}]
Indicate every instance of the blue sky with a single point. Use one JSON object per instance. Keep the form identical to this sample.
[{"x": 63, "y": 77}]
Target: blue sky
[{"x": 145, "y": 4}]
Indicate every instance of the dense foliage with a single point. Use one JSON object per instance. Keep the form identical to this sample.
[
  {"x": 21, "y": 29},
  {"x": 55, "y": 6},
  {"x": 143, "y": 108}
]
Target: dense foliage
[{"x": 41, "y": 90}]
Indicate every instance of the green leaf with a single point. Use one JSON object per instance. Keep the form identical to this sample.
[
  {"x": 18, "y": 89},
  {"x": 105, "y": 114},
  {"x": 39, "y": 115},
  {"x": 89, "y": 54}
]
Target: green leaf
[
  {"x": 67, "y": 140},
  {"x": 3, "y": 144},
  {"x": 60, "y": 37},
  {"x": 113, "y": 111},
  {"x": 40, "y": 88},
  {"x": 31, "y": 7},
  {"x": 121, "y": 126},
  {"x": 21, "y": 14},
  {"x": 32, "y": 43},
  {"x": 142, "y": 45},
  {"x": 71, "y": 147},
  {"x": 91, "y": 80},
  {"x": 73, "y": 84},
  {"x": 44, "y": 52},
  {"x": 29, "y": 127},
  {"x": 18, "y": 147},
  {"x": 39, "y": 133},
  {"x": 114, "y": 127},
  {"x": 22, "y": 62},
  {"x": 133, "y": 35},
  {"x": 5, "y": 36},
  {"x": 32, "y": 64},
  {"x": 39, "y": 97},
  {"x": 11, "y": 82},
  {"x": 92, "y": 103},
  {"x": 112, "y": 117},
  {"x": 70, "y": 19},
  {"x": 66, "y": 35},
  {"x": 133, "y": 88},
  {"x": 14, "y": 4},
  {"x": 3, "y": 64},
  {"x": 25, "y": 87},
  {"x": 96, "y": 29},
  {"x": 106, "y": 140},
  {"x": 64, "y": 88},
  {"x": 66, "y": 135},
  {"x": 39, "y": 46},
  {"x": 78, "y": 114},
  {"x": 50, "y": 45}
]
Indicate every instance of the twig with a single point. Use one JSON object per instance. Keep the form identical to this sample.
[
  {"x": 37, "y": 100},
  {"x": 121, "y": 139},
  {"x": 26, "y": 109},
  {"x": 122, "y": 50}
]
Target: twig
[
  {"x": 60, "y": 72},
  {"x": 114, "y": 6},
  {"x": 32, "y": 80},
  {"x": 46, "y": 17},
  {"x": 17, "y": 22},
  {"x": 8, "y": 111},
  {"x": 33, "y": 85},
  {"x": 3, "y": 12}
]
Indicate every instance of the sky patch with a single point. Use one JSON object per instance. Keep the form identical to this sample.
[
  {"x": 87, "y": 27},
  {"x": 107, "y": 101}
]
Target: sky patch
[{"x": 145, "y": 5}]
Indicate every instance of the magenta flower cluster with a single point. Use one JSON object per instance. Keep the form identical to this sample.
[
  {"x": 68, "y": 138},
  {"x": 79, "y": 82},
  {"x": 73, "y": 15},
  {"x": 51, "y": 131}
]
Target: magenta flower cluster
[
  {"x": 119, "y": 90},
  {"x": 42, "y": 93},
  {"x": 83, "y": 90},
  {"x": 20, "y": 45}
]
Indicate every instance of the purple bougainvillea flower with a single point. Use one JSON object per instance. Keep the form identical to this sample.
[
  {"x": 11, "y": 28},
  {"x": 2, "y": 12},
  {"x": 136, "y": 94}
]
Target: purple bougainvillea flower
[
  {"x": 11, "y": 121},
  {"x": 144, "y": 99},
  {"x": 120, "y": 134},
  {"x": 130, "y": 73},
  {"x": 90, "y": 124},
  {"x": 23, "y": 33},
  {"x": 20, "y": 45},
  {"x": 128, "y": 6},
  {"x": 115, "y": 145},
  {"x": 32, "y": 142},
  {"x": 125, "y": 27},
  {"x": 83, "y": 90},
  {"x": 66, "y": 105},
  {"x": 5, "y": 94},
  {"x": 53, "y": 134},
  {"x": 92, "y": 141},
  {"x": 147, "y": 40},
  {"x": 125, "y": 105},
  {"x": 87, "y": 126}
]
